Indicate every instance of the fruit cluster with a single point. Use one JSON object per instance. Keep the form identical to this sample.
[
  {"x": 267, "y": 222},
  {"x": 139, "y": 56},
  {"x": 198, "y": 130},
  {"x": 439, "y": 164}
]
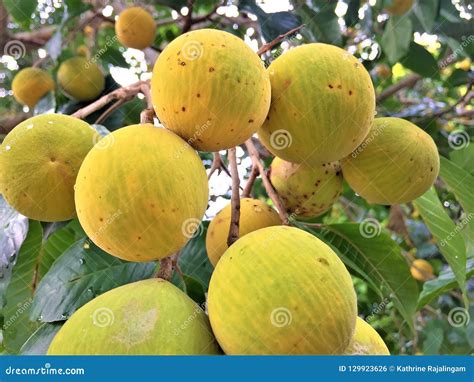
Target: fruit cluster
[{"x": 141, "y": 192}]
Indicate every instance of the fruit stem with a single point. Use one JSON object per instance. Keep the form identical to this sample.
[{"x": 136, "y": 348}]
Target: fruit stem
[
  {"x": 248, "y": 186},
  {"x": 235, "y": 199},
  {"x": 166, "y": 268},
  {"x": 269, "y": 45}
]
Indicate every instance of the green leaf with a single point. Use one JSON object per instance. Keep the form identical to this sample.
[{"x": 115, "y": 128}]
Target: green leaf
[
  {"x": 426, "y": 11},
  {"x": 444, "y": 231},
  {"x": 458, "y": 77},
  {"x": 464, "y": 157},
  {"x": 380, "y": 260},
  {"x": 39, "y": 341},
  {"x": 445, "y": 282},
  {"x": 21, "y": 10},
  {"x": 83, "y": 272},
  {"x": 351, "y": 17},
  {"x": 322, "y": 23},
  {"x": 396, "y": 38},
  {"x": 434, "y": 336},
  {"x": 194, "y": 289},
  {"x": 46, "y": 105},
  {"x": 19, "y": 296},
  {"x": 420, "y": 61}
]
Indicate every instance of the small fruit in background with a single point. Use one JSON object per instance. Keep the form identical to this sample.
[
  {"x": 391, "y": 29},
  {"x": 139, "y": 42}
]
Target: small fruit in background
[
  {"x": 309, "y": 121},
  {"x": 82, "y": 50},
  {"x": 306, "y": 190},
  {"x": 396, "y": 163},
  {"x": 146, "y": 317},
  {"x": 211, "y": 89},
  {"x": 383, "y": 71},
  {"x": 398, "y": 7},
  {"x": 280, "y": 290},
  {"x": 30, "y": 85},
  {"x": 39, "y": 162},
  {"x": 421, "y": 270},
  {"x": 464, "y": 64},
  {"x": 254, "y": 214},
  {"x": 81, "y": 78},
  {"x": 135, "y": 28},
  {"x": 366, "y": 341},
  {"x": 141, "y": 193}
]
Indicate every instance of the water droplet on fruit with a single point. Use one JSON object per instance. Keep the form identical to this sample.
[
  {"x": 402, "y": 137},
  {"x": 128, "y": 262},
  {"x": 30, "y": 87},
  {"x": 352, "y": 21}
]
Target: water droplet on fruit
[
  {"x": 30, "y": 126},
  {"x": 8, "y": 148}
]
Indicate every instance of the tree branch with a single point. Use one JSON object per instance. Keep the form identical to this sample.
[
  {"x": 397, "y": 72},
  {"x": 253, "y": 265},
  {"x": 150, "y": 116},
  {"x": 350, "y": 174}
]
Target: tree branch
[
  {"x": 269, "y": 45},
  {"x": 166, "y": 268},
  {"x": 106, "y": 114},
  {"x": 235, "y": 200},
  {"x": 188, "y": 20},
  {"x": 465, "y": 96},
  {"x": 407, "y": 82},
  {"x": 248, "y": 186}
]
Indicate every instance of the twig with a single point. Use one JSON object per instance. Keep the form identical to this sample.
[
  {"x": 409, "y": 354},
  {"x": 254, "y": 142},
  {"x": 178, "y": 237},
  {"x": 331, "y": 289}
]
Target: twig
[
  {"x": 147, "y": 115},
  {"x": 407, "y": 82},
  {"x": 216, "y": 165},
  {"x": 255, "y": 157},
  {"x": 248, "y": 186},
  {"x": 235, "y": 199},
  {"x": 109, "y": 111},
  {"x": 166, "y": 268},
  {"x": 188, "y": 20},
  {"x": 459, "y": 101},
  {"x": 269, "y": 45}
]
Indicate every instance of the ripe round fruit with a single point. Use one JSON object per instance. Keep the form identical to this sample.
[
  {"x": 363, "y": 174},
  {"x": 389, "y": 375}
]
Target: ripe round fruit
[
  {"x": 81, "y": 79},
  {"x": 254, "y": 214},
  {"x": 39, "y": 162},
  {"x": 366, "y": 341},
  {"x": 135, "y": 28},
  {"x": 150, "y": 317},
  {"x": 421, "y": 270},
  {"x": 141, "y": 193},
  {"x": 396, "y": 163},
  {"x": 306, "y": 190},
  {"x": 210, "y": 88},
  {"x": 323, "y": 104},
  {"x": 399, "y": 7},
  {"x": 30, "y": 85},
  {"x": 280, "y": 290}
]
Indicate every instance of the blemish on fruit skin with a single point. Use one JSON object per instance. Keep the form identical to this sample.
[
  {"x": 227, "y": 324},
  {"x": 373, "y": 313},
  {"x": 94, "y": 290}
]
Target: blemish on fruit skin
[
  {"x": 330, "y": 86},
  {"x": 182, "y": 63},
  {"x": 183, "y": 108},
  {"x": 211, "y": 69}
]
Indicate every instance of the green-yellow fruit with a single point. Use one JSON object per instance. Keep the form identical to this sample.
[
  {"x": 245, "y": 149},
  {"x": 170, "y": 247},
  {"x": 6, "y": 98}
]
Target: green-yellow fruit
[
  {"x": 149, "y": 317},
  {"x": 254, "y": 214},
  {"x": 280, "y": 290},
  {"x": 421, "y": 270},
  {"x": 39, "y": 162},
  {"x": 141, "y": 193},
  {"x": 366, "y": 341},
  {"x": 30, "y": 85},
  {"x": 323, "y": 104},
  {"x": 396, "y": 163},
  {"x": 306, "y": 190},
  {"x": 81, "y": 78},
  {"x": 210, "y": 88},
  {"x": 399, "y": 7},
  {"x": 135, "y": 28}
]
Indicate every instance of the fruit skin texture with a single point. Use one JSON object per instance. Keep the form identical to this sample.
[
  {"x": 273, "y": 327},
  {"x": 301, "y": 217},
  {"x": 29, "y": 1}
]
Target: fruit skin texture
[
  {"x": 254, "y": 214},
  {"x": 30, "y": 85},
  {"x": 396, "y": 163},
  {"x": 39, "y": 162},
  {"x": 421, "y": 270},
  {"x": 366, "y": 341},
  {"x": 141, "y": 193},
  {"x": 211, "y": 89},
  {"x": 321, "y": 117},
  {"x": 399, "y": 7},
  {"x": 306, "y": 190},
  {"x": 135, "y": 28},
  {"x": 280, "y": 290},
  {"x": 81, "y": 79},
  {"x": 145, "y": 317}
]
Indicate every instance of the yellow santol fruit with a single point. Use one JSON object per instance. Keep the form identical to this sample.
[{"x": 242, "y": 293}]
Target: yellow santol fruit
[
  {"x": 306, "y": 190},
  {"x": 39, "y": 162},
  {"x": 421, "y": 270},
  {"x": 366, "y": 341},
  {"x": 30, "y": 85},
  {"x": 383, "y": 71},
  {"x": 323, "y": 104},
  {"x": 396, "y": 163},
  {"x": 399, "y": 7},
  {"x": 81, "y": 78},
  {"x": 82, "y": 50},
  {"x": 141, "y": 193},
  {"x": 280, "y": 290},
  {"x": 149, "y": 317},
  {"x": 210, "y": 88},
  {"x": 254, "y": 214},
  {"x": 135, "y": 28}
]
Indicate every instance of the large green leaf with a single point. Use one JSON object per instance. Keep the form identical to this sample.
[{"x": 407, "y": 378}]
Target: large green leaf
[
  {"x": 83, "y": 272},
  {"x": 321, "y": 22},
  {"x": 396, "y": 38},
  {"x": 451, "y": 245},
  {"x": 464, "y": 157},
  {"x": 420, "y": 61},
  {"x": 21, "y": 10},
  {"x": 19, "y": 295},
  {"x": 380, "y": 260},
  {"x": 426, "y": 11},
  {"x": 39, "y": 341}
]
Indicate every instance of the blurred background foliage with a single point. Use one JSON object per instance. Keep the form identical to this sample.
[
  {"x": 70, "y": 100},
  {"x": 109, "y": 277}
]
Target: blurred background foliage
[{"x": 420, "y": 63}]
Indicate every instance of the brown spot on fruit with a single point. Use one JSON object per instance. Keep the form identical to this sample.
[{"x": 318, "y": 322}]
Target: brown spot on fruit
[{"x": 211, "y": 69}]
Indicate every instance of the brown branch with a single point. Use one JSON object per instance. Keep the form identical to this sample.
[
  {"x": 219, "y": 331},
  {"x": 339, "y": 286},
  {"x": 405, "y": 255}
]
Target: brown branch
[
  {"x": 466, "y": 96},
  {"x": 106, "y": 114},
  {"x": 235, "y": 199},
  {"x": 251, "y": 180},
  {"x": 188, "y": 19},
  {"x": 407, "y": 82},
  {"x": 7, "y": 124},
  {"x": 255, "y": 157},
  {"x": 269, "y": 45},
  {"x": 167, "y": 266},
  {"x": 146, "y": 116},
  {"x": 216, "y": 165}
]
